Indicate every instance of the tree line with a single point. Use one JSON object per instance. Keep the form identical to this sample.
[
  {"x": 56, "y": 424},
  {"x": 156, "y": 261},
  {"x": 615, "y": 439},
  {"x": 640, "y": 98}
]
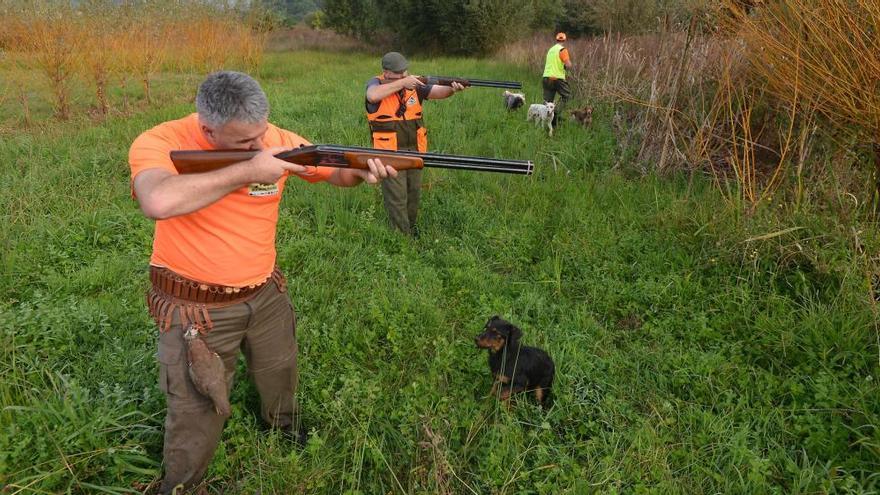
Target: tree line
[{"x": 468, "y": 27}]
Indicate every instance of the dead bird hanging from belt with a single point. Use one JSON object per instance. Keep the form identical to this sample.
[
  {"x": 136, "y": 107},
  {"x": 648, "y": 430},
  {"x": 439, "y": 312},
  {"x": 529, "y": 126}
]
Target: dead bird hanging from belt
[{"x": 206, "y": 370}]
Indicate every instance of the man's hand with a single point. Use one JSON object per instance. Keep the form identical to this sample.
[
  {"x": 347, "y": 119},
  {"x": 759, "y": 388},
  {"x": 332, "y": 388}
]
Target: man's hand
[
  {"x": 375, "y": 173},
  {"x": 411, "y": 82},
  {"x": 456, "y": 87},
  {"x": 264, "y": 168}
]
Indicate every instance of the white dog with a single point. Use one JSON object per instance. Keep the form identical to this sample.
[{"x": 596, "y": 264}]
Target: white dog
[
  {"x": 542, "y": 115},
  {"x": 513, "y": 100}
]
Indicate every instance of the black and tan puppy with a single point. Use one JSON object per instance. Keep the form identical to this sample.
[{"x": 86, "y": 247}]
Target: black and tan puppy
[{"x": 515, "y": 367}]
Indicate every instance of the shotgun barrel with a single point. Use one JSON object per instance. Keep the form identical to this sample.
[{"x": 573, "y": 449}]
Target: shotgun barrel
[
  {"x": 448, "y": 80},
  {"x": 464, "y": 81},
  {"x": 331, "y": 155},
  {"x": 456, "y": 162}
]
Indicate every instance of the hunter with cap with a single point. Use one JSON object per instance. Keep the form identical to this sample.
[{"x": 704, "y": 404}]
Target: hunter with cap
[
  {"x": 557, "y": 62},
  {"x": 394, "y": 111}
]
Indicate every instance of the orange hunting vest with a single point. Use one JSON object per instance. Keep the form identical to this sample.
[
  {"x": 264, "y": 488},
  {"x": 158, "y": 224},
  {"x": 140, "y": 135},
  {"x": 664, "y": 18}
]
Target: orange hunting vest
[{"x": 397, "y": 123}]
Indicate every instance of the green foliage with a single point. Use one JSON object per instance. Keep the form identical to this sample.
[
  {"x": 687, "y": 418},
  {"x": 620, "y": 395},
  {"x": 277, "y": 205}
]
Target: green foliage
[
  {"x": 694, "y": 353},
  {"x": 262, "y": 17},
  {"x": 297, "y": 10},
  {"x": 316, "y": 19},
  {"x": 358, "y": 18},
  {"x": 627, "y": 16},
  {"x": 471, "y": 27},
  {"x": 435, "y": 26},
  {"x": 547, "y": 14}
]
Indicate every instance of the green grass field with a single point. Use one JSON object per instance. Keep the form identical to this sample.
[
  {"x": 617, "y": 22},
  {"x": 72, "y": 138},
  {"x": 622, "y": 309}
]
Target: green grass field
[{"x": 695, "y": 353}]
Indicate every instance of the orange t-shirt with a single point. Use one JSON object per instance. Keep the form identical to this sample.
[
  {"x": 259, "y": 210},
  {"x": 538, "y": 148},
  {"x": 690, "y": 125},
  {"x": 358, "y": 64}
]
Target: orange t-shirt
[
  {"x": 563, "y": 55},
  {"x": 230, "y": 242}
]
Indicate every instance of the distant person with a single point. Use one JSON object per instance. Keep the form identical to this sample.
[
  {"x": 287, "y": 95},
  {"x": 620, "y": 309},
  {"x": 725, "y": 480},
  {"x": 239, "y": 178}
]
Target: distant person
[
  {"x": 213, "y": 268},
  {"x": 394, "y": 110},
  {"x": 558, "y": 61}
]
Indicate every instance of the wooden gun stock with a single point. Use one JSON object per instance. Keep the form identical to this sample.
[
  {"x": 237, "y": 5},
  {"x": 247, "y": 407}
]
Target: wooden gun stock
[{"x": 196, "y": 162}]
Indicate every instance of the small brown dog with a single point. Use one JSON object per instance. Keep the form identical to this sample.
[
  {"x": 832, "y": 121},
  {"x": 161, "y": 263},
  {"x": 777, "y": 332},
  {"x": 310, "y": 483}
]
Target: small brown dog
[{"x": 584, "y": 116}]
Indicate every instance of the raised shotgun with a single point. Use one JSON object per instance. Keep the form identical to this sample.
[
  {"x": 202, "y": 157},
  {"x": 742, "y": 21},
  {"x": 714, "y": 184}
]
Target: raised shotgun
[
  {"x": 331, "y": 155},
  {"x": 447, "y": 81}
]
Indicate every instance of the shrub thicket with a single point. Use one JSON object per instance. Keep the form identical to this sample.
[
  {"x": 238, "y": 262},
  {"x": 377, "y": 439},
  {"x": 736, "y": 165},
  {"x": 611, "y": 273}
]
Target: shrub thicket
[
  {"x": 295, "y": 11},
  {"x": 436, "y": 26},
  {"x": 468, "y": 27}
]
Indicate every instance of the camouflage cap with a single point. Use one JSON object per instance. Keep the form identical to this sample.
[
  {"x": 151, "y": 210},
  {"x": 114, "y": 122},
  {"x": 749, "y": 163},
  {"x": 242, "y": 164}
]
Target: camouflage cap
[{"x": 394, "y": 62}]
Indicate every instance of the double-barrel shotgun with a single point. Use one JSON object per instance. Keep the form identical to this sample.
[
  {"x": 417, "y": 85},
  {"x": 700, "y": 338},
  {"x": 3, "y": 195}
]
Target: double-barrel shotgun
[
  {"x": 331, "y": 155},
  {"x": 447, "y": 81}
]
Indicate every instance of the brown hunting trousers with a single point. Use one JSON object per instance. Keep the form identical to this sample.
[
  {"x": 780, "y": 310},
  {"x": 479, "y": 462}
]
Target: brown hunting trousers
[{"x": 264, "y": 328}]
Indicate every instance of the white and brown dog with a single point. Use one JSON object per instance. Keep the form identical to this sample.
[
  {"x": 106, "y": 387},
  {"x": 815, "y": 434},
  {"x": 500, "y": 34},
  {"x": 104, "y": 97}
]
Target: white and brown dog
[
  {"x": 542, "y": 114},
  {"x": 583, "y": 116},
  {"x": 512, "y": 101}
]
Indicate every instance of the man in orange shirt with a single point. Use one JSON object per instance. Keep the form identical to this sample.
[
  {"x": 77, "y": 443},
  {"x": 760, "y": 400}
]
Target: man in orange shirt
[{"x": 213, "y": 264}]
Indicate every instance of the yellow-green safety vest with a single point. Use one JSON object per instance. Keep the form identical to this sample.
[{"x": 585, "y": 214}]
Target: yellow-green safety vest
[{"x": 553, "y": 67}]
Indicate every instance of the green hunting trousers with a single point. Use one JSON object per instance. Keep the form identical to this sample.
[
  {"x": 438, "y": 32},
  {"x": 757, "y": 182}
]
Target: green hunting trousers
[
  {"x": 401, "y": 196},
  {"x": 264, "y": 329}
]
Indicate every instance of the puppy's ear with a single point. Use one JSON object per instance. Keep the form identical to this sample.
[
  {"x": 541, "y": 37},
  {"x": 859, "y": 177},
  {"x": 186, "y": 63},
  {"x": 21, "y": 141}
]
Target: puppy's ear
[{"x": 514, "y": 335}]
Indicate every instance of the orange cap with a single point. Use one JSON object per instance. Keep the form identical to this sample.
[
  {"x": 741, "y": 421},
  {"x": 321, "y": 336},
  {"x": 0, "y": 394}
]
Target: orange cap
[{"x": 560, "y": 36}]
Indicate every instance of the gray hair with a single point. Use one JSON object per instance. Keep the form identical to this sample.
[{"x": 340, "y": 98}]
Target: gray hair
[{"x": 228, "y": 95}]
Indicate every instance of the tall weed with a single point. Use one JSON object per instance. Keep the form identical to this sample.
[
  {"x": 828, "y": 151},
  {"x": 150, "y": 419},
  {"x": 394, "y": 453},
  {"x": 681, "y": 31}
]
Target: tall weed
[
  {"x": 687, "y": 100},
  {"x": 101, "y": 43}
]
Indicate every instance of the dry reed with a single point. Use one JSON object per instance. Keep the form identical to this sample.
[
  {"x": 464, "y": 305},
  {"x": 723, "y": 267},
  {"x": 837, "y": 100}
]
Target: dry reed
[
  {"x": 682, "y": 100},
  {"x": 301, "y": 37},
  {"x": 821, "y": 54},
  {"x": 102, "y": 42}
]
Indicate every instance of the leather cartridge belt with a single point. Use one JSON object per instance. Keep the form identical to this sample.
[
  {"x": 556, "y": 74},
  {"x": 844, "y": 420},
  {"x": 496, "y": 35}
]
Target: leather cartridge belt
[{"x": 171, "y": 291}]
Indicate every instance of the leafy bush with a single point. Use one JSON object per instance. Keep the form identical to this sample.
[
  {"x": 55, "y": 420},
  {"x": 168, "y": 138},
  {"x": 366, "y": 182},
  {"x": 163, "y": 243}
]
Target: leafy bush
[
  {"x": 295, "y": 11},
  {"x": 460, "y": 26},
  {"x": 358, "y": 18},
  {"x": 583, "y": 17}
]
